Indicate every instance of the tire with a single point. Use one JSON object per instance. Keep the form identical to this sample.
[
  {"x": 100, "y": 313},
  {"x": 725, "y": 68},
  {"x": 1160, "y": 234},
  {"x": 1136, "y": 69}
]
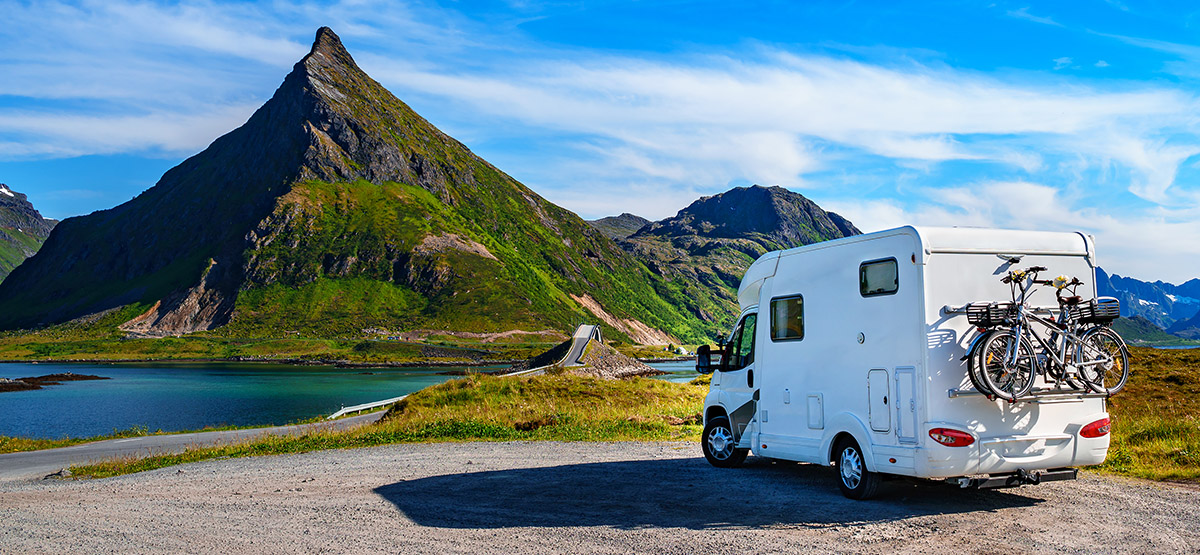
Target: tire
[
  {"x": 717, "y": 443},
  {"x": 1008, "y": 380},
  {"x": 975, "y": 365},
  {"x": 1103, "y": 344},
  {"x": 855, "y": 481}
]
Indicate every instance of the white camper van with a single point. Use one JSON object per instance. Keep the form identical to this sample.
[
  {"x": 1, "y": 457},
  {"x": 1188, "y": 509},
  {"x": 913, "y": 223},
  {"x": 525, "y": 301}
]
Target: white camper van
[{"x": 850, "y": 353}]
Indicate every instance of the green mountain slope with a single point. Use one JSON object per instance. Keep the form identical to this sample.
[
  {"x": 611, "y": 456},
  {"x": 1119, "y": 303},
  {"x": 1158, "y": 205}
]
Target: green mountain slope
[
  {"x": 334, "y": 208},
  {"x": 703, "y": 251},
  {"x": 22, "y": 229}
]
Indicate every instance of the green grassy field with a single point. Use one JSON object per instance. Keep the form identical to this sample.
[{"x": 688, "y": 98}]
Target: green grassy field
[{"x": 1156, "y": 419}]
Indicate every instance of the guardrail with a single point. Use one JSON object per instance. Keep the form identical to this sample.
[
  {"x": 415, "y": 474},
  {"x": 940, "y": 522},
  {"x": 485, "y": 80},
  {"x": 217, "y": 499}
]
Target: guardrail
[{"x": 364, "y": 406}]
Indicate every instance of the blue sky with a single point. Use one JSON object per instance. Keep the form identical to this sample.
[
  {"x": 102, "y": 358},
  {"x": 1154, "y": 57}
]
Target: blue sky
[{"x": 1063, "y": 116}]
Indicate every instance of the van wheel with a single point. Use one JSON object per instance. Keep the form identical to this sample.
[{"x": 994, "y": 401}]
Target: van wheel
[
  {"x": 719, "y": 447},
  {"x": 855, "y": 481}
]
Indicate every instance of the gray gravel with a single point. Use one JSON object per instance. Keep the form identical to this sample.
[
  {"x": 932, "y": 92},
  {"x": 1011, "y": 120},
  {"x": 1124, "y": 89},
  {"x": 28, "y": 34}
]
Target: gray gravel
[{"x": 571, "y": 497}]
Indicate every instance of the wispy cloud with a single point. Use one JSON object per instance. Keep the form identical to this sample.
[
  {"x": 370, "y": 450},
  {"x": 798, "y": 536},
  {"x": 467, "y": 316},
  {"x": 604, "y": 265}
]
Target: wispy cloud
[{"x": 1023, "y": 13}]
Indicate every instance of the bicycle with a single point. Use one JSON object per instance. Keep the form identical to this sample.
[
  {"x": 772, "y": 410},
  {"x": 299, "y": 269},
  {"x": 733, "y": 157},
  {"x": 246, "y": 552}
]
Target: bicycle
[{"x": 1003, "y": 362}]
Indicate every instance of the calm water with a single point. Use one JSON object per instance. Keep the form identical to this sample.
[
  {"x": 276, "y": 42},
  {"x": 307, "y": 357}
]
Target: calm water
[
  {"x": 682, "y": 371},
  {"x": 189, "y": 396}
]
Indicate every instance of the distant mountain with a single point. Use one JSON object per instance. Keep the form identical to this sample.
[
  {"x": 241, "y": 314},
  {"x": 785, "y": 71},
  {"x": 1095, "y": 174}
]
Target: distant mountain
[
  {"x": 1187, "y": 329},
  {"x": 1159, "y": 302},
  {"x": 707, "y": 246},
  {"x": 334, "y": 208},
  {"x": 619, "y": 227},
  {"x": 22, "y": 229},
  {"x": 1137, "y": 329}
]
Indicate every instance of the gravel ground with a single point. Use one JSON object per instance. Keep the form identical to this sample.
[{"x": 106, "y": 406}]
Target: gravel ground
[{"x": 571, "y": 497}]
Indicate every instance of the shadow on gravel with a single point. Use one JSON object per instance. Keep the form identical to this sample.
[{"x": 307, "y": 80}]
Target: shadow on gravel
[{"x": 685, "y": 493}]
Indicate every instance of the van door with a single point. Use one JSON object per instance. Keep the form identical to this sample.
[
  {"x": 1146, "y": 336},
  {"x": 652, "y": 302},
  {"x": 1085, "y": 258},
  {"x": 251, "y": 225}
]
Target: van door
[
  {"x": 737, "y": 375},
  {"x": 878, "y": 391}
]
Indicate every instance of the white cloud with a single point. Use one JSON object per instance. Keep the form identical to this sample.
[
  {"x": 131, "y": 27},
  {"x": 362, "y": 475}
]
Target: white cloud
[
  {"x": 1062, "y": 62},
  {"x": 1101, "y": 63}
]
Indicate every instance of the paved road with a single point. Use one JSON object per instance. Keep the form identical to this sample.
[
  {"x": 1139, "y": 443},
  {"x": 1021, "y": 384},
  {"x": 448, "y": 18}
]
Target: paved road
[
  {"x": 547, "y": 497},
  {"x": 579, "y": 340},
  {"x": 16, "y": 466}
]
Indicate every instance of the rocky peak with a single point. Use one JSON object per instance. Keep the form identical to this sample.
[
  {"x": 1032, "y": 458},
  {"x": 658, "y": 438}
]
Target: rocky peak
[
  {"x": 778, "y": 215},
  {"x": 16, "y": 212},
  {"x": 619, "y": 227}
]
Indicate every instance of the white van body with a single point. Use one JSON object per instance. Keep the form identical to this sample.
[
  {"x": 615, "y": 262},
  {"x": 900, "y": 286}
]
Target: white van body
[{"x": 885, "y": 369}]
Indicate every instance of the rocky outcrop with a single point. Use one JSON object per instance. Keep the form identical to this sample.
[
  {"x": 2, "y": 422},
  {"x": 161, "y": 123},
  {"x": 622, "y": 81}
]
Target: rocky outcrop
[
  {"x": 22, "y": 229},
  {"x": 619, "y": 227}
]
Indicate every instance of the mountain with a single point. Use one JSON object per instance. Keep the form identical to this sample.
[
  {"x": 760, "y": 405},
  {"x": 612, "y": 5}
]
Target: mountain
[
  {"x": 708, "y": 245},
  {"x": 335, "y": 208},
  {"x": 1137, "y": 329},
  {"x": 22, "y": 229},
  {"x": 1187, "y": 329},
  {"x": 619, "y": 227},
  {"x": 1159, "y": 302}
]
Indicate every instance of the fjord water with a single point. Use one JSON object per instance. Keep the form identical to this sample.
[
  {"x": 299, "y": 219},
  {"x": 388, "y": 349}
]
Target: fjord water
[{"x": 188, "y": 396}]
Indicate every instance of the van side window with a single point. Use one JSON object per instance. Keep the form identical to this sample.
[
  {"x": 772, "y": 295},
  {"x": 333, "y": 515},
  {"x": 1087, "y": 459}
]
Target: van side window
[
  {"x": 740, "y": 352},
  {"x": 878, "y": 277},
  {"x": 787, "y": 318}
]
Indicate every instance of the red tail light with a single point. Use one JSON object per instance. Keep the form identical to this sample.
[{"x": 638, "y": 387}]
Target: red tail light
[
  {"x": 951, "y": 437},
  {"x": 1099, "y": 428}
]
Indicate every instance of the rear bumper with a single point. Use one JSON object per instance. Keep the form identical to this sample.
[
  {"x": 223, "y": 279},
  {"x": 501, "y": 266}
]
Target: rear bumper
[{"x": 1015, "y": 479}]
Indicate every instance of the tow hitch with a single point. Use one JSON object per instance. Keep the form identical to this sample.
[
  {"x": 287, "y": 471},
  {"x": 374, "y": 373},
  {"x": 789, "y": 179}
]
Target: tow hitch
[{"x": 1020, "y": 478}]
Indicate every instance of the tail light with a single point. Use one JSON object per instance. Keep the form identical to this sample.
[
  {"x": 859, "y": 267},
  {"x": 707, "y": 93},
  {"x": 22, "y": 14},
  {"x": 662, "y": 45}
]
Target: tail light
[
  {"x": 951, "y": 437},
  {"x": 1099, "y": 428}
]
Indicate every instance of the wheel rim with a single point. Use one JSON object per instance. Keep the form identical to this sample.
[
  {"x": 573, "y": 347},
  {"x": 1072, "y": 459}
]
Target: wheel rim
[
  {"x": 851, "y": 467},
  {"x": 1103, "y": 363},
  {"x": 720, "y": 443}
]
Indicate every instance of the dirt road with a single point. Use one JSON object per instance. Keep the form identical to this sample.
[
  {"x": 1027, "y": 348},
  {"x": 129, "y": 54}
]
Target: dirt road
[{"x": 571, "y": 497}]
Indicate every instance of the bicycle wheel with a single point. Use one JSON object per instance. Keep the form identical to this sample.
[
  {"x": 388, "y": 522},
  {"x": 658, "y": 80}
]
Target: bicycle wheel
[
  {"x": 975, "y": 365},
  {"x": 1008, "y": 365},
  {"x": 1103, "y": 361}
]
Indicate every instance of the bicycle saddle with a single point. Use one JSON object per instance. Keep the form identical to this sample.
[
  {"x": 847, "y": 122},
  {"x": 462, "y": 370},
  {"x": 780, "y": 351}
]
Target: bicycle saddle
[{"x": 1071, "y": 300}]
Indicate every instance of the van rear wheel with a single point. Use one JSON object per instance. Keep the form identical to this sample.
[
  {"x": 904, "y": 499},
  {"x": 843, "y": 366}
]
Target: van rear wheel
[
  {"x": 855, "y": 481},
  {"x": 719, "y": 446}
]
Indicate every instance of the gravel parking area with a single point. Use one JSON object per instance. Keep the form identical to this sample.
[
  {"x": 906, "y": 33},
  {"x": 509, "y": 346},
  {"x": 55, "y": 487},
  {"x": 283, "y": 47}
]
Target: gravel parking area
[{"x": 571, "y": 497}]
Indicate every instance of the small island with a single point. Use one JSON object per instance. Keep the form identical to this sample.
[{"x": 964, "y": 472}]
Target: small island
[{"x": 37, "y": 382}]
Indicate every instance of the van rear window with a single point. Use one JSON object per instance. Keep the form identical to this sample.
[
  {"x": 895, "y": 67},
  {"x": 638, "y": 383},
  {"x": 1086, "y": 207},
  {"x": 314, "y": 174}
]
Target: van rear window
[
  {"x": 787, "y": 318},
  {"x": 878, "y": 277}
]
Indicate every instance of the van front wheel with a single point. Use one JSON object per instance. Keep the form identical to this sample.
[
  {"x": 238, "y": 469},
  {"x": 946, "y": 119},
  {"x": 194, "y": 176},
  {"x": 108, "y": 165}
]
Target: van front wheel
[
  {"x": 719, "y": 446},
  {"x": 855, "y": 481}
]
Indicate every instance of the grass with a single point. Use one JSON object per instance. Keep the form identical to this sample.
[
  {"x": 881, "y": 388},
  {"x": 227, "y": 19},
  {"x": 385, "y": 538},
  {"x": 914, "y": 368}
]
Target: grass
[
  {"x": 1156, "y": 419},
  {"x": 482, "y": 408}
]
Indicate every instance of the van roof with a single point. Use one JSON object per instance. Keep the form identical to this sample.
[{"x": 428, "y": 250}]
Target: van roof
[{"x": 934, "y": 240}]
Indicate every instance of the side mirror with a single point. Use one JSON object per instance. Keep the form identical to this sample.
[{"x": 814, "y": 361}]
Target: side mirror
[{"x": 704, "y": 360}]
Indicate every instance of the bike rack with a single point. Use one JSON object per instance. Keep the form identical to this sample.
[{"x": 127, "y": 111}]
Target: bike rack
[
  {"x": 1038, "y": 395},
  {"x": 949, "y": 310}
]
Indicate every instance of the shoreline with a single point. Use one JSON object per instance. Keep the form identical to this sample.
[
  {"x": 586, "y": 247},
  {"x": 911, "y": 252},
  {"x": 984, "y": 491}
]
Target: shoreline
[{"x": 310, "y": 362}]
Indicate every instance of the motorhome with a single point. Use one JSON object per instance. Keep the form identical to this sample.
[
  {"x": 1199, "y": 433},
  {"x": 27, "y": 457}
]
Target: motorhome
[{"x": 851, "y": 352}]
